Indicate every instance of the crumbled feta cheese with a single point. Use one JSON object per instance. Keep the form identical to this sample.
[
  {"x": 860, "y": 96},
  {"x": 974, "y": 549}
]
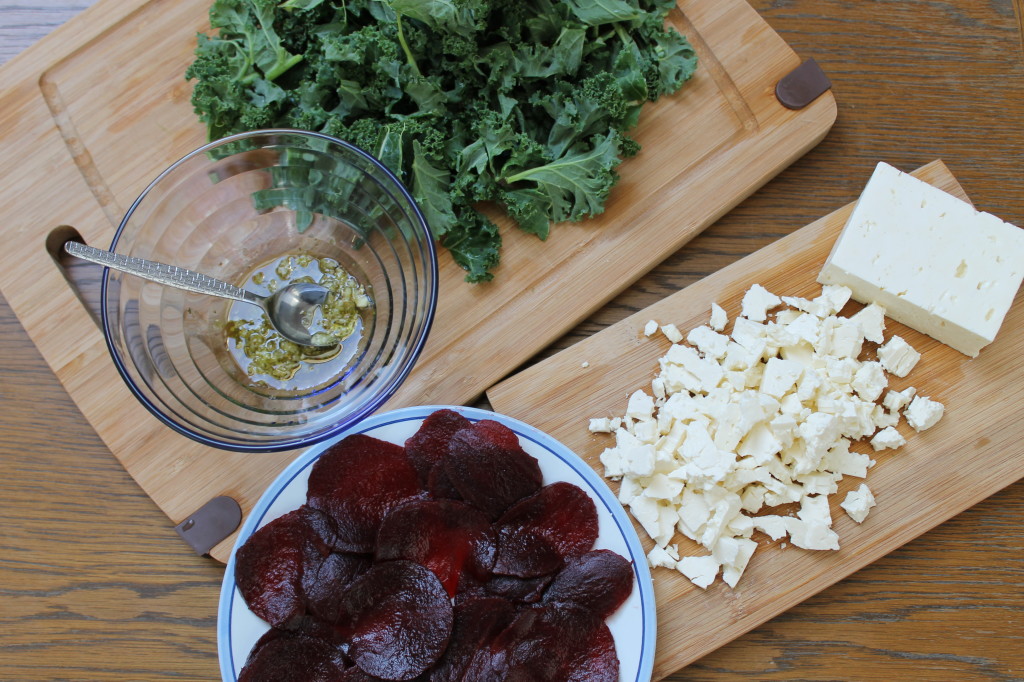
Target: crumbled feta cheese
[
  {"x": 672, "y": 332},
  {"x": 640, "y": 406},
  {"x": 894, "y": 401},
  {"x": 709, "y": 342},
  {"x": 759, "y": 418},
  {"x": 584, "y": 364},
  {"x": 757, "y": 302},
  {"x": 858, "y": 502},
  {"x": 651, "y": 327},
  {"x": 888, "y": 437},
  {"x": 718, "y": 318},
  {"x": 780, "y": 376},
  {"x": 659, "y": 556},
  {"x": 923, "y": 413},
  {"x": 869, "y": 381},
  {"x": 701, "y": 570},
  {"x": 871, "y": 319},
  {"x": 897, "y": 356}
]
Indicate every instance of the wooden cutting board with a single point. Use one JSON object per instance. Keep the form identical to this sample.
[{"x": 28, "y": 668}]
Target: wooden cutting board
[
  {"x": 939, "y": 473},
  {"x": 92, "y": 113}
]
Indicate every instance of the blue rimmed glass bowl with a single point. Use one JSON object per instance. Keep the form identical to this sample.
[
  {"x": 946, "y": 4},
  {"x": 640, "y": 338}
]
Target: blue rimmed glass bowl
[{"x": 223, "y": 210}]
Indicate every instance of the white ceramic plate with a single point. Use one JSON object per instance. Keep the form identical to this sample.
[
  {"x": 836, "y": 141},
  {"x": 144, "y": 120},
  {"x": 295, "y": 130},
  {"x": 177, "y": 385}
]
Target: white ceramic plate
[{"x": 632, "y": 626}]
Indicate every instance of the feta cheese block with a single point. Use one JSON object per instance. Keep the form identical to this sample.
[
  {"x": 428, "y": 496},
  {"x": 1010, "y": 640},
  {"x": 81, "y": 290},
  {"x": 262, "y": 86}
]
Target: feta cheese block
[{"x": 931, "y": 260}]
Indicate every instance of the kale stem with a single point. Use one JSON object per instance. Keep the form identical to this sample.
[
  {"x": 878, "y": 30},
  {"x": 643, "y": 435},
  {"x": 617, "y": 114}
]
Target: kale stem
[{"x": 405, "y": 46}]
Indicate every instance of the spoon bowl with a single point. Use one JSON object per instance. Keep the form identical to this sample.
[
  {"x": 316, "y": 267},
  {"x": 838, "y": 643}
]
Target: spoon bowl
[{"x": 290, "y": 309}]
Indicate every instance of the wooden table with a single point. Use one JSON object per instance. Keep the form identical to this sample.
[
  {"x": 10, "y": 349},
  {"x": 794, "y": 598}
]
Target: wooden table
[{"x": 96, "y": 586}]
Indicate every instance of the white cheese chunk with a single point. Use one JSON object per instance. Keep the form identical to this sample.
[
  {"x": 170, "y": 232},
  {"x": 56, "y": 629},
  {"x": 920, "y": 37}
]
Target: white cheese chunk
[
  {"x": 718, "y": 319},
  {"x": 897, "y": 356},
  {"x": 888, "y": 437},
  {"x": 871, "y": 319},
  {"x": 701, "y": 570},
  {"x": 651, "y": 327},
  {"x": 923, "y": 413},
  {"x": 858, "y": 502},
  {"x": 659, "y": 556},
  {"x": 931, "y": 260},
  {"x": 672, "y": 333},
  {"x": 709, "y": 342},
  {"x": 757, "y": 302},
  {"x": 780, "y": 376},
  {"x": 869, "y": 381},
  {"x": 894, "y": 401}
]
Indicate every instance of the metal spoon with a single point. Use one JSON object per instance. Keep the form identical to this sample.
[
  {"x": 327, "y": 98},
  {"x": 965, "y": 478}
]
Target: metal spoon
[{"x": 286, "y": 308}]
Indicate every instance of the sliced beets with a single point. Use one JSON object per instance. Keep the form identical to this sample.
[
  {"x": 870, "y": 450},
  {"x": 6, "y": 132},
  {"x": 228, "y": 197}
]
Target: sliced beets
[
  {"x": 599, "y": 580},
  {"x": 537, "y": 534},
  {"x": 519, "y": 590},
  {"x": 324, "y": 584},
  {"x": 293, "y": 656},
  {"x": 478, "y": 620},
  {"x": 399, "y": 620},
  {"x": 552, "y": 642},
  {"x": 359, "y": 583},
  {"x": 270, "y": 566},
  {"x": 489, "y": 469},
  {"x": 429, "y": 445},
  {"x": 357, "y": 481},
  {"x": 448, "y": 537}
]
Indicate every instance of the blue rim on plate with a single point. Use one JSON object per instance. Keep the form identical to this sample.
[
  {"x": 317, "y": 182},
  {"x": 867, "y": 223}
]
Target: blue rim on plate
[{"x": 639, "y": 606}]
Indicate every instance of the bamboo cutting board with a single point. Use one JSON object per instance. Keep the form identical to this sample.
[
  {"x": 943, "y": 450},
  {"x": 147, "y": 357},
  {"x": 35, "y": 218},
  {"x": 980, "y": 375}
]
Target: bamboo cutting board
[
  {"x": 970, "y": 454},
  {"x": 92, "y": 113}
]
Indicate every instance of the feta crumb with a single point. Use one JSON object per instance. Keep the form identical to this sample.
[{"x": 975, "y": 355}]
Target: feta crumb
[
  {"x": 718, "y": 318},
  {"x": 871, "y": 319},
  {"x": 894, "y": 401},
  {"x": 869, "y": 381},
  {"x": 640, "y": 406},
  {"x": 897, "y": 356},
  {"x": 650, "y": 328},
  {"x": 888, "y": 437},
  {"x": 780, "y": 376},
  {"x": 584, "y": 364},
  {"x": 659, "y": 556},
  {"x": 923, "y": 413},
  {"x": 858, "y": 502},
  {"x": 672, "y": 333},
  {"x": 757, "y": 302},
  {"x": 701, "y": 570},
  {"x": 762, "y": 417},
  {"x": 709, "y": 342}
]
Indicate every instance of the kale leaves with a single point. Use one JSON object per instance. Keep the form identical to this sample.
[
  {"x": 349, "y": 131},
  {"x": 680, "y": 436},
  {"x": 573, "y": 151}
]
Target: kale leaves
[{"x": 525, "y": 103}]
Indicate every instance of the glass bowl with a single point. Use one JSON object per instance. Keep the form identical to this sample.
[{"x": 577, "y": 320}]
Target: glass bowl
[{"x": 240, "y": 204}]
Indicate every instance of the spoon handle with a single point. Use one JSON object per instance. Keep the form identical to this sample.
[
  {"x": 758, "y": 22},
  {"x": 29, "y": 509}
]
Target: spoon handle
[{"x": 161, "y": 273}]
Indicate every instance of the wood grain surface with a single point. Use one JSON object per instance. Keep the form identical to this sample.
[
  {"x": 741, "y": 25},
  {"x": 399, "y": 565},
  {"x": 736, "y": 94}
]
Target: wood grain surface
[
  {"x": 917, "y": 487},
  {"x": 94, "y": 585},
  {"x": 737, "y": 135}
]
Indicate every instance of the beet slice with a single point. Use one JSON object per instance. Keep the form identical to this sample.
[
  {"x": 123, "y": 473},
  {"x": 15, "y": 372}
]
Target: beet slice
[
  {"x": 551, "y": 642},
  {"x": 399, "y": 620},
  {"x": 478, "y": 620},
  {"x": 439, "y": 485},
  {"x": 324, "y": 583},
  {"x": 599, "y": 580},
  {"x": 270, "y": 565},
  {"x": 519, "y": 590},
  {"x": 357, "y": 481},
  {"x": 429, "y": 445},
  {"x": 537, "y": 534},
  {"x": 448, "y": 537},
  {"x": 293, "y": 656},
  {"x": 489, "y": 468}
]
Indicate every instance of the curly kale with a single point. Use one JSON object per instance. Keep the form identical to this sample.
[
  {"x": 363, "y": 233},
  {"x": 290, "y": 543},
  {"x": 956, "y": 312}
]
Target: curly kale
[{"x": 525, "y": 105}]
